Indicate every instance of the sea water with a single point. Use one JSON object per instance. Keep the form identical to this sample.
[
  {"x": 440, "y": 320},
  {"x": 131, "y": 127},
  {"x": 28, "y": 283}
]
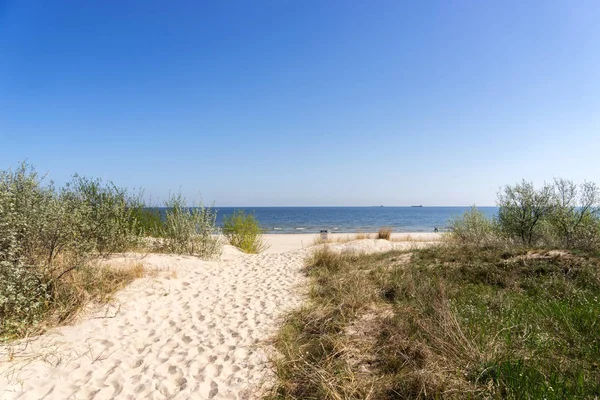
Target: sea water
[{"x": 352, "y": 219}]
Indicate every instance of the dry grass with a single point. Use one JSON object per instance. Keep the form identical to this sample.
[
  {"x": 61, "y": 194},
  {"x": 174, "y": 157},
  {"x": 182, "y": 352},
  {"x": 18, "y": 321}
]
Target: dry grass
[
  {"x": 444, "y": 322},
  {"x": 344, "y": 238},
  {"x": 384, "y": 233},
  {"x": 89, "y": 284}
]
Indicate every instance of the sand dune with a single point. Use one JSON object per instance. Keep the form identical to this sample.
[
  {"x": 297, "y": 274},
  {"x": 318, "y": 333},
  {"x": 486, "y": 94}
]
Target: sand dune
[{"x": 195, "y": 331}]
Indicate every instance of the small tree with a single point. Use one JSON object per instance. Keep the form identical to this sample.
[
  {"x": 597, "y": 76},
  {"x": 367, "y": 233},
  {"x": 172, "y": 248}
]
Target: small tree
[
  {"x": 522, "y": 208},
  {"x": 244, "y": 232},
  {"x": 575, "y": 215}
]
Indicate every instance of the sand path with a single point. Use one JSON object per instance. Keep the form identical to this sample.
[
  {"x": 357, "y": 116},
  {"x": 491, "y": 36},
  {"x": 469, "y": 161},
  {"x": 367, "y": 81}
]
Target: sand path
[
  {"x": 197, "y": 330},
  {"x": 193, "y": 332}
]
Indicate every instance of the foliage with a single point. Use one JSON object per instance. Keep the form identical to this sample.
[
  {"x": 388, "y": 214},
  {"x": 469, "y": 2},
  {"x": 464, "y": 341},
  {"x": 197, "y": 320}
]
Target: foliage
[
  {"x": 444, "y": 322},
  {"x": 473, "y": 228},
  {"x": 149, "y": 221},
  {"x": 48, "y": 235},
  {"x": 560, "y": 215},
  {"x": 244, "y": 232},
  {"x": 522, "y": 209},
  {"x": 190, "y": 230},
  {"x": 107, "y": 214},
  {"x": 574, "y": 221}
]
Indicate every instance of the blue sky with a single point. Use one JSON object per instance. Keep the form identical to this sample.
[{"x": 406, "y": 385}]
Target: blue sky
[{"x": 303, "y": 102}]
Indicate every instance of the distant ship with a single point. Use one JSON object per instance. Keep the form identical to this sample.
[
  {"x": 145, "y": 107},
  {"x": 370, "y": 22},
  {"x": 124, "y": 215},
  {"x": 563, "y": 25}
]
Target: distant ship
[{"x": 417, "y": 206}]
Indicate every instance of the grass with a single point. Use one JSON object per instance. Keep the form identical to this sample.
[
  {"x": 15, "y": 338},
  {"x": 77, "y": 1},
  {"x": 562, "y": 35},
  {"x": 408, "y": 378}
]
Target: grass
[
  {"x": 384, "y": 233},
  {"x": 244, "y": 232},
  {"x": 341, "y": 238},
  {"x": 92, "y": 283},
  {"x": 444, "y": 322}
]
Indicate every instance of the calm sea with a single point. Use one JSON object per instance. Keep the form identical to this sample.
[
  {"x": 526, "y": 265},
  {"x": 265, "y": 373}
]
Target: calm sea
[{"x": 351, "y": 219}]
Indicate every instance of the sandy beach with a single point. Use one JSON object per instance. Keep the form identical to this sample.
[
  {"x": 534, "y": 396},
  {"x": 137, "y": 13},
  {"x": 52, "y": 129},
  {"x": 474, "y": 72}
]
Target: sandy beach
[{"x": 196, "y": 330}]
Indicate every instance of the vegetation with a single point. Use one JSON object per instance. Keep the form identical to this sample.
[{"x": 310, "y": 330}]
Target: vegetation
[
  {"x": 244, "y": 232},
  {"x": 506, "y": 308},
  {"x": 50, "y": 238},
  {"x": 474, "y": 229},
  {"x": 445, "y": 322},
  {"x": 561, "y": 215},
  {"x": 190, "y": 230},
  {"x": 384, "y": 233}
]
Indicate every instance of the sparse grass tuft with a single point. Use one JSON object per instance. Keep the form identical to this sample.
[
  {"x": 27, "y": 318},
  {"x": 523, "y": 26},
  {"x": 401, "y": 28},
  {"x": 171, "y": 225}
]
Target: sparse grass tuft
[
  {"x": 384, "y": 233},
  {"x": 444, "y": 322},
  {"x": 361, "y": 236}
]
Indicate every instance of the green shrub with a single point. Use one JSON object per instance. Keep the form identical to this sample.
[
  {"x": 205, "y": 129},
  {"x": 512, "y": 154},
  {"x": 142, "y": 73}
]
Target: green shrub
[
  {"x": 473, "y": 228},
  {"x": 48, "y": 235},
  {"x": 574, "y": 222},
  {"x": 522, "y": 209},
  {"x": 190, "y": 230},
  {"x": 107, "y": 214},
  {"x": 244, "y": 232},
  {"x": 149, "y": 221}
]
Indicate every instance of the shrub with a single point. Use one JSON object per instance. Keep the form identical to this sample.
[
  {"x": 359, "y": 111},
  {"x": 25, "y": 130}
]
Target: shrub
[
  {"x": 107, "y": 214},
  {"x": 149, "y": 221},
  {"x": 384, "y": 233},
  {"x": 473, "y": 228},
  {"x": 244, "y": 232},
  {"x": 522, "y": 209},
  {"x": 574, "y": 221},
  {"x": 47, "y": 236},
  {"x": 190, "y": 230}
]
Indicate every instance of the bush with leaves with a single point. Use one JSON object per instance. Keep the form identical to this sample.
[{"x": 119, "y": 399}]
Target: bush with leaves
[
  {"x": 48, "y": 234},
  {"x": 190, "y": 230},
  {"x": 522, "y": 209},
  {"x": 244, "y": 232},
  {"x": 474, "y": 228},
  {"x": 575, "y": 221},
  {"x": 107, "y": 214}
]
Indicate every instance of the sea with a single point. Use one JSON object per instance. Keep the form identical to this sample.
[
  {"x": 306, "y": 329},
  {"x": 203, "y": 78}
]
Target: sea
[{"x": 285, "y": 220}]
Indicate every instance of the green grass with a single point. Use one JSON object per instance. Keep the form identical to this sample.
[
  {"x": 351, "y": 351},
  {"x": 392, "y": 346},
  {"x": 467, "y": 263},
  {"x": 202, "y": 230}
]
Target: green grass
[
  {"x": 444, "y": 322},
  {"x": 244, "y": 232}
]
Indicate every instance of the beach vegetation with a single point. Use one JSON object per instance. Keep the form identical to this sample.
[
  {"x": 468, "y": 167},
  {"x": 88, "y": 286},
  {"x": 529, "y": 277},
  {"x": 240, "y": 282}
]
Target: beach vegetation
[
  {"x": 558, "y": 215},
  {"x": 189, "y": 230},
  {"x": 505, "y": 308},
  {"x": 473, "y": 228},
  {"x": 449, "y": 321},
  {"x": 243, "y": 231},
  {"x": 384, "y": 233},
  {"x": 52, "y": 239}
]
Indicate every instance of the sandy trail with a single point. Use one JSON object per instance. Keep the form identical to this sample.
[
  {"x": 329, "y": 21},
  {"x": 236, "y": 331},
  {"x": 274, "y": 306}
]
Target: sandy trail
[
  {"x": 195, "y": 331},
  {"x": 191, "y": 333}
]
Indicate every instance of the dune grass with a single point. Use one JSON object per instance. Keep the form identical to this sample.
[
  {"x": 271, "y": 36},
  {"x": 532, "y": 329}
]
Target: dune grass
[
  {"x": 384, "y": 233},
  {"x": 244, "y": 232},
  {"x": 444, "y": 322}
]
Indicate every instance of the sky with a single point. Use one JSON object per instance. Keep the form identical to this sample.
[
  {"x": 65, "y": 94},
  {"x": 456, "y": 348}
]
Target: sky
[{"x": 302, "y": 103}]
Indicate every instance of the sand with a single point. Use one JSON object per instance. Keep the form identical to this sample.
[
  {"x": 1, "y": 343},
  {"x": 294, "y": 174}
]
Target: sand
[{"x": 197, "y": 330}]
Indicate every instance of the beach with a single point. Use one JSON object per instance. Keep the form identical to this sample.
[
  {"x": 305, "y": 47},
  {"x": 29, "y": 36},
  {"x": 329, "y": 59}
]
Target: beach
[{"x": 194, "y": 330}]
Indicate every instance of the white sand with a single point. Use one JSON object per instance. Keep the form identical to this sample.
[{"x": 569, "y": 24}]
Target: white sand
[
  {"x": 289, "y": 242},
  {"x": 196, "y": 331}
]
